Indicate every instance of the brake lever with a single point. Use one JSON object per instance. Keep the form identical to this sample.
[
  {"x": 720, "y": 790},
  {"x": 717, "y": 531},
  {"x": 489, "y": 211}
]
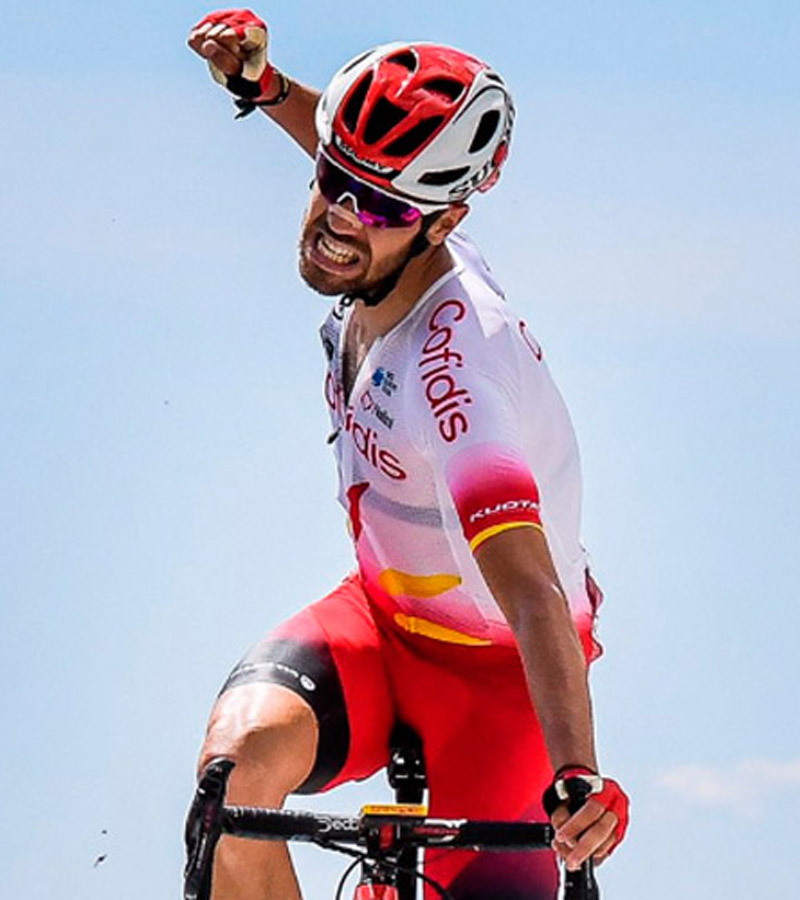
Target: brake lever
[{"x": 204, "y": 828}]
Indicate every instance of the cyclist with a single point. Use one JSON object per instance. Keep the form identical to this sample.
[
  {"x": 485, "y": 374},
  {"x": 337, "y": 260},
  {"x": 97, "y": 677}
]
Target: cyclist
[{"x": 470, "y": 616}]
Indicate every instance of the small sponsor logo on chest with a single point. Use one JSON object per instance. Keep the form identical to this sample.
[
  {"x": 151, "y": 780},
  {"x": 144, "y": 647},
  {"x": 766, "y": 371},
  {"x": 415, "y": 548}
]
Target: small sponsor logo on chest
[
  {"x": 371, "y": 406},
  {"x": 384, "y": 380},
  {"x": 365, "y": 439}
]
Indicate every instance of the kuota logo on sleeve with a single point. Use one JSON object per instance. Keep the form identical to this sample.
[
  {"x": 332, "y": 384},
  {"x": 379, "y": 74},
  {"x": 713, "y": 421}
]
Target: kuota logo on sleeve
[{"x": 508, "y": 506}]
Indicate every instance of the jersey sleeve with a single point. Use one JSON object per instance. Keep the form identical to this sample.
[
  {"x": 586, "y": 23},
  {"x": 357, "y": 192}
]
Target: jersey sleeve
[
  {"x": 493, "y": 490},
  {"x": 471, "y": 421}
]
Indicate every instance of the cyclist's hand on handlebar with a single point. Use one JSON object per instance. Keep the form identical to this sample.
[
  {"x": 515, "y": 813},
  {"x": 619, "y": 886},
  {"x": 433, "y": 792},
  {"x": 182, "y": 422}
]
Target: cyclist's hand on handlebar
[
  {"x": 589, "y": 832},
  {"x": 234, "y": 44},
  {"x": 597, "y": 828}
]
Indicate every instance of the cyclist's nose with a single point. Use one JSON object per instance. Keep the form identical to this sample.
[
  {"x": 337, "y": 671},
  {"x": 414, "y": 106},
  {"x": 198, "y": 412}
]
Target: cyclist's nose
[{"x": 341, "y": 217}]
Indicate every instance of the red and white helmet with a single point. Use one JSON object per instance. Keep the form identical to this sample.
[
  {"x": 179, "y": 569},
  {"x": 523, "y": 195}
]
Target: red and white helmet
[{"x": 427, "y": 123}]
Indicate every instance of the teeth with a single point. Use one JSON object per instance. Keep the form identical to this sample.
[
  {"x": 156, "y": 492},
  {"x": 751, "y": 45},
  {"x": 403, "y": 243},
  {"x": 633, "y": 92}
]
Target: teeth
[{"x": 335, "y": 252}]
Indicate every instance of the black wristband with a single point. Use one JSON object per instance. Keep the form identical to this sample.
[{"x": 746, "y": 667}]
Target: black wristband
[
  {"x": 246, "y": 106},
  {"x": 553, "y": 796}
]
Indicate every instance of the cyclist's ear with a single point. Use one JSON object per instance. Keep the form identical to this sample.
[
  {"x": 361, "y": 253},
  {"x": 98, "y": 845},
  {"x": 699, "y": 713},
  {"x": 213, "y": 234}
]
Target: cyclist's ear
[{"x": 445, "y": 222}]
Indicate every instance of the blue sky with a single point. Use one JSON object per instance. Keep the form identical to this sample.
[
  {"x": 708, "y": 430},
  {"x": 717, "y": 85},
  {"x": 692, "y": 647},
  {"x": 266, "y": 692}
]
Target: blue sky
[{"x": 167, "y": 493}]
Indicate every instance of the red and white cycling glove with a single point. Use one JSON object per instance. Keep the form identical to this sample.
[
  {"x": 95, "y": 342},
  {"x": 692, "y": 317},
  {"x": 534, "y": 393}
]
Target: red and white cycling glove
[
  {"x": 573, "y": 781},
  {"x": 251, "y": 88}
]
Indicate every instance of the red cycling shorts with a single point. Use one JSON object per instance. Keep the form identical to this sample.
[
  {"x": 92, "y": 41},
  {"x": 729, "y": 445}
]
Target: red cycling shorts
[{"x": 484, "y": 751}]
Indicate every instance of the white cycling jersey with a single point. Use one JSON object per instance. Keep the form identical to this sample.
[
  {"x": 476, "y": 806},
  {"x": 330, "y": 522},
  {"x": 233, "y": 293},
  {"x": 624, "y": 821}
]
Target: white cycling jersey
[{"x": 454, "y": 431}]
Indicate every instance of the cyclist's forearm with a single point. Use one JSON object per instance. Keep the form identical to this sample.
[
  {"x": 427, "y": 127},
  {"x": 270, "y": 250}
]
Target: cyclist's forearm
[
  {"x": 557, "y": 679},
  {"x": 519, "y": 572},
  {"x": 295, "y": 114}
]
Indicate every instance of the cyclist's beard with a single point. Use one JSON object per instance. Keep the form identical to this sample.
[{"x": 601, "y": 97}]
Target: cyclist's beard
[{"x": 327, "y": 277}]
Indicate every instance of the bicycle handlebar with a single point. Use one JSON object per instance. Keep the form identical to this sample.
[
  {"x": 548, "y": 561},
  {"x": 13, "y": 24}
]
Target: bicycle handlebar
[
  {"x": 209, "y": 819},
  {"x": 417, "y": 831},
  {"x": 289, "y": 825}
]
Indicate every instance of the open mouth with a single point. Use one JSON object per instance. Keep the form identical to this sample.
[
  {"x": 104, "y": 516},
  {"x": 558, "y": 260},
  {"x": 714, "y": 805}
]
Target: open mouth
[{"x": 333, "y": 254}]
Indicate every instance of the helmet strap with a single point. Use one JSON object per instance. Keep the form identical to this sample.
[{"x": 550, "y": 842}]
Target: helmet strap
[{"x": 386, "y": 285}]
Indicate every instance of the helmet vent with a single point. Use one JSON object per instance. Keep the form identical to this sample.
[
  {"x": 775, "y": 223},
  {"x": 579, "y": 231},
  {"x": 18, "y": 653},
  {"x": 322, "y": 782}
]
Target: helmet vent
[
  {"x": 486, "y": 130},
  {"x": 356, "y": 101},
  {"x": 406, "y": 59},
  {"x": 415, "y": 137},
  {"x": 446, "y": 176},
  {"x": 383, "y": 119},
  {"x": 448, "y": 87}
]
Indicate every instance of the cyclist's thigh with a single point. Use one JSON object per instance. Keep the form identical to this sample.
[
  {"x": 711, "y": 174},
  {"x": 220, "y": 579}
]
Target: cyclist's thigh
[
  {"x": 329, "y": 656},
  {"x": 486, "y": 759}
]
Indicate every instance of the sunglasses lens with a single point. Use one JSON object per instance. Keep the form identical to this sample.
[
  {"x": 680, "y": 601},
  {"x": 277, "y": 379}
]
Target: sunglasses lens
[{"x": 373, "y": 208}]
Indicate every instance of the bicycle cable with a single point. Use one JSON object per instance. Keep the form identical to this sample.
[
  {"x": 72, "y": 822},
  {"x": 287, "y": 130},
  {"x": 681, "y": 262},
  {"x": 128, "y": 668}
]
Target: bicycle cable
[
  {"x": 426, "y": 879},
  {"x": 359, "y": 857},
  {"x": 343, "y": 879}
]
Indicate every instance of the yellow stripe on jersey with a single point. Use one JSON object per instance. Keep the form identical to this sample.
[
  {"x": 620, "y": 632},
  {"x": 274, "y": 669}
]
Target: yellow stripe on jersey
[
  {"x": 400, "y": 584},
  {"x": 496, "y": 529},
  {"x": 438, "y": 632}
]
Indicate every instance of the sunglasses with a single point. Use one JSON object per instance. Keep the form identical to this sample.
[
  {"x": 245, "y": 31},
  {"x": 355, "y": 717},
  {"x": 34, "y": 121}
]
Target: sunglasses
[{"x": 372, "y": 207}]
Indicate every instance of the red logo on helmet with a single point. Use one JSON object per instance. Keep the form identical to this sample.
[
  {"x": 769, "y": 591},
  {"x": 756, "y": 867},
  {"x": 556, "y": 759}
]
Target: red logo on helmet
[{"x": 500, "y": 155}]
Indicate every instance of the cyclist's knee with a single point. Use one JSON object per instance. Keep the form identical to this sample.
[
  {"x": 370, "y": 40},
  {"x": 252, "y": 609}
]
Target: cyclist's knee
[{"x": 270, "y": 733}]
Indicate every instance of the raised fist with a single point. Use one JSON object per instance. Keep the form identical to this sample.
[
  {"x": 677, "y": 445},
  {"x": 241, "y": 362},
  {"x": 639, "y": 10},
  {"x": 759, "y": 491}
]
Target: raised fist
[{"x": 234, "y": 43}]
